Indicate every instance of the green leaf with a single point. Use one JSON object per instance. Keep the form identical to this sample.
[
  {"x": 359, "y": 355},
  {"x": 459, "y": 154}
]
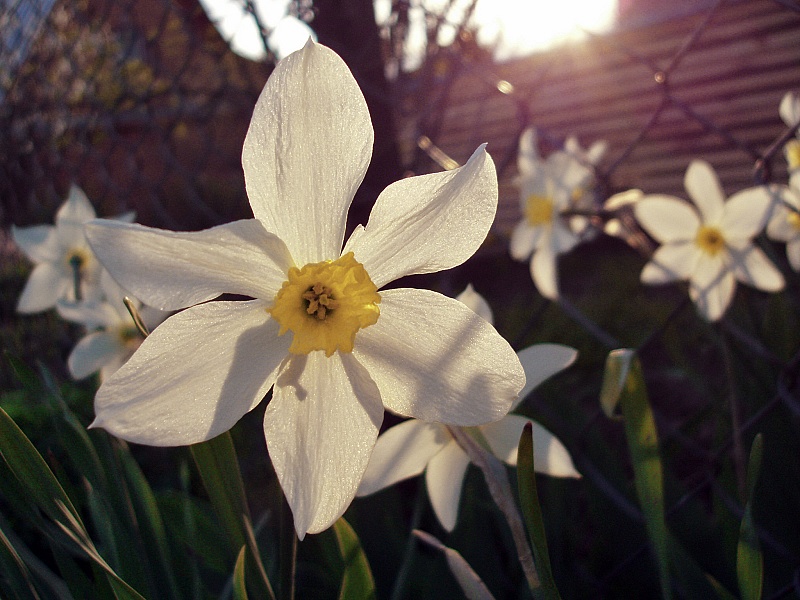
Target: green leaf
[
  {"x": 532, "y": 515},
  {"x": 26, "y": 376},
  {"x": 471, "y": 584},
  {"x": 216, "y": 461},
  {"x": 15, "y": 572},
  {"x": 357, "y": 581},
  {"x": 749, "y": 559},
  {"x": 259, "y": 581},
  {"x": 623, "y": 385},
  {"x": 239, "y": 587},
  {"x": 150, "y": 525},
  {"x": 32, "y": 471}
]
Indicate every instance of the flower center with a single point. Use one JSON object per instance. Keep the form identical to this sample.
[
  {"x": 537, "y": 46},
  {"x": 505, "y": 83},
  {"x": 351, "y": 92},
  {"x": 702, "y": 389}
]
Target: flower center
[
  {"x": 131, "y": 338},
  {"x": 538, "y": 210},
  {"x": 794, "y": 219},
  {"x": 710, "y": 240},
  {"x": 324, "y": 304},
  {"x": 792, "y": 149}
]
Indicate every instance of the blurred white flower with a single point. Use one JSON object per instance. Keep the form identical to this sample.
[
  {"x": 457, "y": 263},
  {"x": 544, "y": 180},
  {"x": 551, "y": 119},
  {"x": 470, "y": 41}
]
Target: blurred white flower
[
  {"x": 112, "y": 336},
  {"x": 784, "y": 224},
  {"x": 790, "y": 113},
  {"x": 710, "y": 245},
  {"x": 621, "y": 204},
  {"x": 64, "y": 263},
  {"x": 549, "y": 188},
  {"x": 334, "y": 351},
  {"x": 414, "y": 446}
]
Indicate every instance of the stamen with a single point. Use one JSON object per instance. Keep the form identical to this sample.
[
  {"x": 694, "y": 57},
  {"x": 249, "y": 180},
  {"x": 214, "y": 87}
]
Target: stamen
[
  {"x": 75, "y": 263},
  {"x": 325, "y": 304},
  {"x": 538, "y": 210},
  {"x": 710, "y": 240}
]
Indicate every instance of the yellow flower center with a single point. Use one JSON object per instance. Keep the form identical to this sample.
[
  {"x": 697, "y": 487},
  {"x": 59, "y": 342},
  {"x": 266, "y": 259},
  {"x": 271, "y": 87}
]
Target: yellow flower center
[
  {"x": 710, "y": 240},
  {"x": 792, "y": 149},
  {"x": 324, "y": 304},
  {"x": 794, "y": 219},
  {"x": 130, "y": 336},
  {"x": 78, "y": 260},
  {"x": 538, "y": 210}
]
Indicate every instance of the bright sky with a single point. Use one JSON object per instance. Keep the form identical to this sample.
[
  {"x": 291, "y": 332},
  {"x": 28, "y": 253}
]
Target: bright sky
[{"x": 513, "y": 27}]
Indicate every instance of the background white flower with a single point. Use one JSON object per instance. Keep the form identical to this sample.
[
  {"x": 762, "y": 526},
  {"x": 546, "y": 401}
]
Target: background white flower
[
  {"x": 333, "y": 350},
  {"x": 548, "y": 188},
  {"x": 414, "y": 446},
  {"x": 790, "y": 113},
  {"x": 710, "y": 244},
  {"x": 112, "y": 336},
  {"x": 784, "y": 224},
  {"x": 60, "y": 255}
]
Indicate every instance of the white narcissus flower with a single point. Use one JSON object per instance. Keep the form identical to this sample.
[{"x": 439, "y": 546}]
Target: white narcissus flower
[
  {"x": 334, "y": 350},
  {"x": 112, "y": 334},
  {"x": 414, "y": 446},
  {"x": 790, "y": 113},
  {"x": 784, "y": 224},
  {"x": 710, "y": 245},
  {"x": 620, "y": 204},
  {"x": 548, "y": 188},
  {"x": 60, "y": 254}
]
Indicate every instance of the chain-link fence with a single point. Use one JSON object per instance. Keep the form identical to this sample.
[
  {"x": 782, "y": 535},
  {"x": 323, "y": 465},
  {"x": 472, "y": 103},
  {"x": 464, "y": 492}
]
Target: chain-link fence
[{"x": 145, "y": 107}]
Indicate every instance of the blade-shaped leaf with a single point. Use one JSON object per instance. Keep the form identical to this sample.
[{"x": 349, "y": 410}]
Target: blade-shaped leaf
[
  {"x": 357, "y": 581},
  {"x": 623, "y": 385},
  {"x": 471, "y": 584},
  {"x": 239, "y": 587},
  {"x": 532, "y": 515},
  {"x": 749, "y": 559},
  {"x": 216, "y": 461},
  {"x": 32, "y": 471}
]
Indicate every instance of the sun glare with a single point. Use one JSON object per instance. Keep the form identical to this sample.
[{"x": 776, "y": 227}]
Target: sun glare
[
  {"x": 511, "y": 27},
  {"x": 518, "y": 27}
]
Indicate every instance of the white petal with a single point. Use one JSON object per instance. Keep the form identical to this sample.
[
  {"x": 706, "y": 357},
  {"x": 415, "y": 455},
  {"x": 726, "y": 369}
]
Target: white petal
[
  {"x": 444, "y": 479},
  {"x": 39, "y": 243},
  {"x": 779, "y": 228},
  {"x": 542, "y": 361},
  {"x": 528, "y": 158},
  {"x": 321, "y": 426},
  {"x": 703, "y": 187},
  {"x": 793, "y": 253},
  {"x": 711, "y": 286},
  {"x": 171, "y": 270},
  {"x": 401, "y": 452},
  {"x": 751, "y": 266},
  {"x": 746, "y": 212},
  {"x": 524, "y": 239},
  {"x": 667, "y": 218},
  {"x": 45, "y": 285},
  {"x": 671, "y": 262},
  {"x": 562, "y": 238},
  {"x": 76, "y": 209},
  {"x": 91, "y": 314},
  {"x": 306, "y": 152},
  {"x": 428, "y": 223},
  {"x": 550, "y": 456},
  {"x": 596, "y": 152},
  {"x": 789, "y": 109},
  {"x": 71, "y": 217},
  {"x": 544, "y": 271},
  {"x": 93, "y": 352},
  {"x": 436, "y": 360},
  {"x": 194, "y": 376},
  {"x": 476, "y": 303}
]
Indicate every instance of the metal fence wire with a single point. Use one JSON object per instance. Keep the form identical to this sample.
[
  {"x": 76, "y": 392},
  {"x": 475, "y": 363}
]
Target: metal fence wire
[{"x": 142, "y": 103}]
